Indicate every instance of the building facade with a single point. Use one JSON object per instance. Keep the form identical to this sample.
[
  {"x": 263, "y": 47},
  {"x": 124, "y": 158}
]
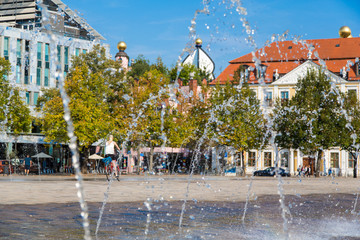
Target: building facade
[
  {"x": 273, "y": 73},
  {"x": 40, "y": 40}
]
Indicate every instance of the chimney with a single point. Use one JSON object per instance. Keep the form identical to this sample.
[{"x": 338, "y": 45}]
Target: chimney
[
  {"x": 204, "y": 82},
  {"x": 193, "y": 86},
  {"x": 180, "y": 82}
]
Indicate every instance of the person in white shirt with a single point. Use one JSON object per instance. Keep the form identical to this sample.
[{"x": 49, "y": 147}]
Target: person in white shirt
[{"x": 110, "y": 152}]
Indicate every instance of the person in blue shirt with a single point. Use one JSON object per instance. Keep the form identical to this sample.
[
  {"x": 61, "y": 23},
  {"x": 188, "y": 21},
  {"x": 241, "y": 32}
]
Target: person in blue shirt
[{"x": 27, "y": 162}]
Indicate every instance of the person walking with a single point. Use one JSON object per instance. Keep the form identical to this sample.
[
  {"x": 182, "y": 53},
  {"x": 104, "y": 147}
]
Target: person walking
[
  {"x": 308, "y": 170},
  {"x": 110, "y": 152},
  {"x": 27, "y": 163},
  {"x": 299, "y": 170}
]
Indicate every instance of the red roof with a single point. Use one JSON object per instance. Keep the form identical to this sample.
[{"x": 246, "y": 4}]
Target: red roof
[{"x": 287, "y": 55}]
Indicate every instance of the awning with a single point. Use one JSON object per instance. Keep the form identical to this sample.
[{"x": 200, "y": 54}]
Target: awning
[
  {"x": 95, "y": 156},
  {"x": 41, "y": 155}
]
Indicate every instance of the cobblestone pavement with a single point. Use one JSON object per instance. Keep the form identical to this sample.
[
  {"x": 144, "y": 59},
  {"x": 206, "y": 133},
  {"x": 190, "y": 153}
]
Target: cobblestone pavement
[{"x": 19, "y": 189}]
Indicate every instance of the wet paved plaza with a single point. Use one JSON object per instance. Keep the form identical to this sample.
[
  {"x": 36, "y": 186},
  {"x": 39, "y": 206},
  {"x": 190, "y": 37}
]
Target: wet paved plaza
[{"x": 43, "y": 211}]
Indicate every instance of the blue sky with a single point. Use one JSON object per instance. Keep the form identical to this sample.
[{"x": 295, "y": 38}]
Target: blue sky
[{"x": 161, "y": 28}]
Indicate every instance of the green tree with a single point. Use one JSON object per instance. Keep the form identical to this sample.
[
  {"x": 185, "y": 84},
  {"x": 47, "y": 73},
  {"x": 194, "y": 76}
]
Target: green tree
[
  {"x": 150, "y": 102},
  {"x": 90, "y": 86},
  {"x": 5, "y": 88},
  {"x": 312, "y": 120},
  {"x": 160, "y": 66},
  {"x": 239, "y": 119},
  {"x": 19, "y": 118},
  {"x": 14, "y": 113},
  {"x": 350, "y": 136},
  {"x": 52, "y": 121},
  {"x": 188, "y": 72},
  {"x": 139, "y": 67}
]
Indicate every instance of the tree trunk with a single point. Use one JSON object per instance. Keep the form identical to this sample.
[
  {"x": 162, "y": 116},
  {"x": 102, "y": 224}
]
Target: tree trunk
[
  {"x": 174, "y": 162},
  {"x": 216, "y": 161},
  {"x": 317, "y": 163},
  {"x": 355, "y": 164},
  {"x": 243, "y": 167},
  {"x": 151, "y": 157},
  {"x": 86, "y": 159},
  {"x": 16, "y": 153},
  {"x": 138, "y": 161},
  {"x": 222, "y": 158}
]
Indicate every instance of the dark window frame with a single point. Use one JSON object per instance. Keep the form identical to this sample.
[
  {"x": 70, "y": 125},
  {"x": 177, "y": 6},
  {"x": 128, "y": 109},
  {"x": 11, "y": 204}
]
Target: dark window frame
[
  {"x": 267, "y": 159},
  {"x": 334, "y": 161},
  {"x": 251, "y": 159}
]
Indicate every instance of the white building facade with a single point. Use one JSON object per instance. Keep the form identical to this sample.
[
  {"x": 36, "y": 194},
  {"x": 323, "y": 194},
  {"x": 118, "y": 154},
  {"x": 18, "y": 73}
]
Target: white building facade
[
  {"x": 40, "y": 41},
  {"x": 340, "y": 161}
]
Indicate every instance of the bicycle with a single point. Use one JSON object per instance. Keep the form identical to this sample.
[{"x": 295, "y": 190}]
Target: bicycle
[{"x": 109, "y": 171}]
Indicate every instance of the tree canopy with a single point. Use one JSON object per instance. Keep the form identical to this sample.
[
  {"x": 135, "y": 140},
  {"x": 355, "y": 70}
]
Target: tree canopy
[
  {"x": 88, "y": 85},
  {"x": 14, "y": 113},
  {"x": 312, "y": 120}
]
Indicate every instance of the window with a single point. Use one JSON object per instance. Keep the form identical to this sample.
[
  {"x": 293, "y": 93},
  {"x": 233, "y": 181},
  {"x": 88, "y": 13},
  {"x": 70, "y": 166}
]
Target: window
[
  {"x": 39, "y": 64},
  {"x": 357, "y": 69},
  {"x": 351, "y": 160},
  {"x": 18, "y": 73},
  {"x": 59, "y": 54},
  {"x": 39, "y": 45},
  {"x": 66, "y": 60},
  {"x": 6, "y": 48},
  {"x": 284, "y": 96},
  {"x": 27, "y": 63},
  {"x": 251, "y": 159},
  {"x": 334, "y": 160},
  {"x": 268, "y": 98},
  {"x": 84, "y": 51},
  {"x": 267, "y": 159},
  {"x": 38, "y": 76},
  {"x": 261, "y": 71},
  {"x": 246, "y": 72},
  {"x": 59, "y": 62},
  {"x": 47, "y": 49},
  {"x": 47, "y": 76},
  {"x": 284, "y": 159},
  {"x": 47, "y": 65},
  {"x": 36, "y": 96},
  {"x": 258, "y": 73},
  {"x": 18, "y": 48},
  {"x": 18, "y": 61},
  {"x": 77, "y": 51},
  {"x": 27, "y": 98}
]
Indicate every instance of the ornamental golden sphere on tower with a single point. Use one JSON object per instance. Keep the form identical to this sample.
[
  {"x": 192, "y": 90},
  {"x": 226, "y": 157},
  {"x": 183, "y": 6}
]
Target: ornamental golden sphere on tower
[
  {"x": 121, "y": 46},
  {"x": 198, "y": 42},
  {"x": 345, "y": 32}
]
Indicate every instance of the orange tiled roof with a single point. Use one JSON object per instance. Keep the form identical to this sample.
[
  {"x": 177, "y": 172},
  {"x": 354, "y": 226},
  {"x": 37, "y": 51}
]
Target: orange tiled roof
[{"x": 287, "y": 55}]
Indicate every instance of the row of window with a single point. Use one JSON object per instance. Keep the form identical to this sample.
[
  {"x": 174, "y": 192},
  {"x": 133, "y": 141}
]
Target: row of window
[
  {"x": 22, "y": 70},
  {"x": 284, "y": 159},
  {"x": 260, "y": 72},
  {"x": 284, "y": 96}
]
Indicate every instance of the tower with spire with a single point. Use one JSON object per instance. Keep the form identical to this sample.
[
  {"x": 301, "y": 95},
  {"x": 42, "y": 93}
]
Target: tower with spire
[
  {"x": 121, "y": 56},
  {"x": 200, "y": 59}
]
